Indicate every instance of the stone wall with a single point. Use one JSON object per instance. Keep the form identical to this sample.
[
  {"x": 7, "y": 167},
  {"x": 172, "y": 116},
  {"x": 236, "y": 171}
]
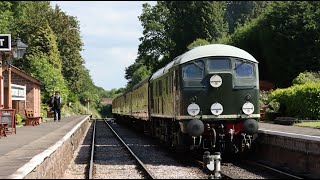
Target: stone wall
[
  {"x": 54, "y": 166},
  {"x": 297, "y": 155}
]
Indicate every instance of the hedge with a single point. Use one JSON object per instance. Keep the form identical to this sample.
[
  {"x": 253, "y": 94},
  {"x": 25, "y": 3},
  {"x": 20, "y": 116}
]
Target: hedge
[{"x": 302, "y": 101}]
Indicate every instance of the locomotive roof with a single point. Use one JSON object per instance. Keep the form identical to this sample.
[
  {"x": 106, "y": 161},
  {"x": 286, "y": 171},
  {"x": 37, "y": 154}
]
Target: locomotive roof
[
  {"x": 206, "y": 51},
  {"x": 141, "y": 83}
]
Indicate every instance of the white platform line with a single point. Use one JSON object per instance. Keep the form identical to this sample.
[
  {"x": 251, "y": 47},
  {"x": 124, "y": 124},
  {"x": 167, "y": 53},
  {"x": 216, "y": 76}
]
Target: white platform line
[
  {"x": 38, "y": 159},
  {"x": 308, "y": 137}
]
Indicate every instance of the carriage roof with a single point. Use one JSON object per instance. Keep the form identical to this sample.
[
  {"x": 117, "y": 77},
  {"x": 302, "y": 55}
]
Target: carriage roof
[{"x": 206, "y": 51}]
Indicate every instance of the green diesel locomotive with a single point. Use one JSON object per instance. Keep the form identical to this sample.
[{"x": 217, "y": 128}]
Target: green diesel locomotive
[{"x": 206, "y": 98}]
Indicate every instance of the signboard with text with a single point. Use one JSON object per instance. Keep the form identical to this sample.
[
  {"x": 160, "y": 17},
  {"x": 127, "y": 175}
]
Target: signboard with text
[
  {"x": 5, "y": 42},
  {"x": 18, "y": 92},
  {"x": 7, "y": 116}
]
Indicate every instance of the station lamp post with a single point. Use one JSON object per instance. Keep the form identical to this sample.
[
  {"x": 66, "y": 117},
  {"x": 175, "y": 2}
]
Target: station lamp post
[
  {"x": 87, "y": 100},
  {"x": 16, "y": 51}
]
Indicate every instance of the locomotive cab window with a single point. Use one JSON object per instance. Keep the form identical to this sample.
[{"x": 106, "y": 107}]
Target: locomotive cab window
[
  {"x": 220, "y": 64},
  {"x": 245, "y": 74},
  {"x": 194, "y": 70},
  {"x": 244, "y": 69}
]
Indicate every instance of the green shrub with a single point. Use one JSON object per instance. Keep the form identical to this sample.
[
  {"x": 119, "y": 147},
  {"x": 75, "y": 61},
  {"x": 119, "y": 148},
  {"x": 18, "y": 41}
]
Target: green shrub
[
  {"x": 274, "y": 106},
  {"x": 265, "y": 97},
  {"x": 307, "y": 77},
  {"x": 19, "y": 118},
  {"x": 299, "y": 100}
]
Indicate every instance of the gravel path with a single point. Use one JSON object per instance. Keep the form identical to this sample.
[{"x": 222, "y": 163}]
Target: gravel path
[
  {"x": 111, "y": 159},
  {"x": 158, "y": 161},
  {"x": 244, "y": 170}
]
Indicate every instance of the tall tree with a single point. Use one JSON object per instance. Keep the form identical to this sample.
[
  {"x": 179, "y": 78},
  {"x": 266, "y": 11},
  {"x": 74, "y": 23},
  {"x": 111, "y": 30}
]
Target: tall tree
[
  {"x": 6, "y": 16},
  {"x": 170, "y": 26},
  {"x": 239, "y": 12},
  {"x": 29, "y": 18},
  {"x": 284, "y": 40},
  {"x": 67, "y": 30},
  {"x": 140, "y": 74},
  {"x": 191, "y": 20},
  {"x": 45, "y": 62}
]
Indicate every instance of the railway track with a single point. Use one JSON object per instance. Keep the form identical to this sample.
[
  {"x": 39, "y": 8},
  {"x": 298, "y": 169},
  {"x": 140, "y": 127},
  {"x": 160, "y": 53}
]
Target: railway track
[
  {"x": 112, "y": 158},
  {"x": 245, "y": 169},
  {"x": 281, "y": 173},
  {"x": 248, "y": 169}
]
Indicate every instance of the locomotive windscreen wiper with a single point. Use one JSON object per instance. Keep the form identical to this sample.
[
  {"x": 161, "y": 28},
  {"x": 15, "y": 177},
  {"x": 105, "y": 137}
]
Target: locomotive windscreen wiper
[
  {"x": 197, "y": 65},
  {"x": 242, "y": 62}
]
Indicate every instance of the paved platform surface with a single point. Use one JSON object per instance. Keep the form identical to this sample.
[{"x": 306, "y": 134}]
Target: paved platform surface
[
  {"x": 18, "y": 149},
  {"x": 290, "y": 131}
]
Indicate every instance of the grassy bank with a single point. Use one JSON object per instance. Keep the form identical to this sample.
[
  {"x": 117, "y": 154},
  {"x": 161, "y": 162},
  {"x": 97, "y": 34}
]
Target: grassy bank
[{"x": 315, "y": 124}]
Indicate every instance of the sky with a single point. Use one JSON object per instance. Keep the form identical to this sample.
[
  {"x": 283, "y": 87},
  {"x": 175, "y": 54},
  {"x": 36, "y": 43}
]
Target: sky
[{"x": 110, "y": 31}]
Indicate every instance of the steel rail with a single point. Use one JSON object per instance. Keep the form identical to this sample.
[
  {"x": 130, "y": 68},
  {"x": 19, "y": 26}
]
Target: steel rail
[
  {"x": 132, "y": 153},
  {"x": 92, "y": 150},
  {"x": 273, "y": 169}
]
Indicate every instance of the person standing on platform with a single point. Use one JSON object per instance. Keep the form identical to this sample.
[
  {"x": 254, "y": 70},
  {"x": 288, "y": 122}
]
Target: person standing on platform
[{"x": 56, "y": 101}]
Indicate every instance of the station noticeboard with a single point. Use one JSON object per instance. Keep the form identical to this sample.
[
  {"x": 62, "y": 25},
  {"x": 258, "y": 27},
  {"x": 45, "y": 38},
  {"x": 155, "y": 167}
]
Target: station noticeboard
[
  {"x": 8, "y": 116},
  {"x": 5, "y": 42},
  {"x": 18, "y": 92}
]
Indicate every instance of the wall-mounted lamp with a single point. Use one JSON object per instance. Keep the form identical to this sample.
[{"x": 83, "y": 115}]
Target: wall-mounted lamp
[{"x": 18, "y": 49}]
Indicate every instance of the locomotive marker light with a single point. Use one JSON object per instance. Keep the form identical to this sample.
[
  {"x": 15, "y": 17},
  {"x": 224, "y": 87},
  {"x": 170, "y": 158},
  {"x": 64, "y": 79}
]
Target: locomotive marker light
[
  {"x": 193, "y": 109},
  {"x": 248, "y": 108},
  {"x": 215, "y": 81},
  {"x": 216, "y": 109}
]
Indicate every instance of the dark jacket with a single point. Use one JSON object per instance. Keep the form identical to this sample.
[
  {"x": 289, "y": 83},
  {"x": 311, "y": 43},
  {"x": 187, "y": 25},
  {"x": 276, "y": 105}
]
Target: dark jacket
[{"x": 56, "y": 101}]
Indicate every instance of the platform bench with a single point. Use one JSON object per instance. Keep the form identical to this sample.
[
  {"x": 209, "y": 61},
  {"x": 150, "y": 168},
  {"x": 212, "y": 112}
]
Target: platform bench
[{"x": 31, "y": 120}]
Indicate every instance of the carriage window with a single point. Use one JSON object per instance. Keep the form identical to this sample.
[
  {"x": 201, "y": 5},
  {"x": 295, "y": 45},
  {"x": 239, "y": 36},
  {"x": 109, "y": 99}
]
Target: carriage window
[
  {"x": 219, "y": 64},
  {"x": 244, "y": 69},
  {"x": 193, "y": 71}
]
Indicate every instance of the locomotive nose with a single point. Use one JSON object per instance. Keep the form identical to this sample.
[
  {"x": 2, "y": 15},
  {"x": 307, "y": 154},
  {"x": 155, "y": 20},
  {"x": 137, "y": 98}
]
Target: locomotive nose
[{"x": 195, "y": 127}]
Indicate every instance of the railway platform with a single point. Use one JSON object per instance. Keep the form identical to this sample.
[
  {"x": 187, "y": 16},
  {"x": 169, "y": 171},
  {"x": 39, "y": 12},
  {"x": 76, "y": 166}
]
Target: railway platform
[
  {"x": 23, "y": 152},
  {"x": 294, "y": 148},
  {"x": 290, "y": 131}
]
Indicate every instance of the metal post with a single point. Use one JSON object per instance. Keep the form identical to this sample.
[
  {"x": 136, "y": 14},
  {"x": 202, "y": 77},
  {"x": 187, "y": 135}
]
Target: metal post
[
  {"x": 217, "y": 158},
  {"x": 212, "y": 163},
  {"x": 1, "y": 79},
  {"x": 88, "y": 108},
  {"x": 9, "y": 88}
]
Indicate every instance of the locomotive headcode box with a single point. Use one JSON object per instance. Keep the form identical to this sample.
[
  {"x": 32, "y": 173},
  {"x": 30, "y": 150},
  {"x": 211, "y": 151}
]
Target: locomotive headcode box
[{"x": 5, "y": 42}]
